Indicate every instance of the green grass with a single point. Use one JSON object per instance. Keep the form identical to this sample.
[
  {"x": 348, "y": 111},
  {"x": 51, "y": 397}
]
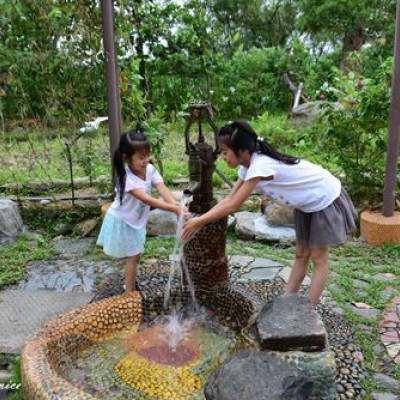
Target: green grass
[
  {"x": 40, "y": 155},
  {"x": 17, "y": 380},
  {"x": 15, "y": 256}
]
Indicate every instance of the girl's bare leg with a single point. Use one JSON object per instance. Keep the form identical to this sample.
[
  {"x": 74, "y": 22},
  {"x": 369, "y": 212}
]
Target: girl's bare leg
[
  {"x": 130, "y": 272},
  {"x": 302, "y": 259},
  {"x": 320, "y": 258}
]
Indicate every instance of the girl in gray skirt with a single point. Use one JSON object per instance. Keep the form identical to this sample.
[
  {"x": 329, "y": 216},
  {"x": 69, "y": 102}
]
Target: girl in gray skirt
[{"x": 324, "y": 213}]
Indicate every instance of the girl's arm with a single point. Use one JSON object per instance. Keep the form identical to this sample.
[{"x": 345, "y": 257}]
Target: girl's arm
[
  {"x": 165, "y": 193},
  {"x": 228, "y": 206},
  {"x": 151, "y": 201},
  {"x": 235, "y": 188}
]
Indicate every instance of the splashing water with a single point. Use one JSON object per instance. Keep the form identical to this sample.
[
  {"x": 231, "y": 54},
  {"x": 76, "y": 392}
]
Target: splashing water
[
  {"x": 178, "y": 261},
  {"x": 175, "y": 330},
  {"x": 176, "y": 326}
]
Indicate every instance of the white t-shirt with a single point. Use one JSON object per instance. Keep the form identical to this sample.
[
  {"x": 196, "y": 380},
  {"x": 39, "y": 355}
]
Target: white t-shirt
[
  {"x": 133, "y": 211},
  {"x": 305, "y": 186}
]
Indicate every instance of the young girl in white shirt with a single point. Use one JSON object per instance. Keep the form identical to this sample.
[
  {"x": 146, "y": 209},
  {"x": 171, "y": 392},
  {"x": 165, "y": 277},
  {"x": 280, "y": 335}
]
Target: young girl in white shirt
[
  {"x": 123, "y": 231},
  {"x": 323, "y": 211}
]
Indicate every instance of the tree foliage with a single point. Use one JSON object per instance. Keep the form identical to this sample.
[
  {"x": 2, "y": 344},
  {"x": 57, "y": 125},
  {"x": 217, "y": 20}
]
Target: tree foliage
[
  {"x": 170, "y": 53},
  {"x": 350, "y": 24},
  {"x": 356, "y": 134}
]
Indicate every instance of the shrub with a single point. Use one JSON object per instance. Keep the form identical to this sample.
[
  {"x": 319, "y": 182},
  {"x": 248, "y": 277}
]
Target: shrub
[{"x": 356, "y": 134}]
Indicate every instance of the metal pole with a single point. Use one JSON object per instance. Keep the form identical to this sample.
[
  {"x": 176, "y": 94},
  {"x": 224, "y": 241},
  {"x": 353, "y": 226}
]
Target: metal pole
[
  {"x": 113, "y": 99},
  {"x": 394, "y": 128}
]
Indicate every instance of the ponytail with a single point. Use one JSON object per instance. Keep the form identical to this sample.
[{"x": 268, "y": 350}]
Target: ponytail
[
  {"x": 268, "y": 150},
  {"x": 120, "y": 173}
]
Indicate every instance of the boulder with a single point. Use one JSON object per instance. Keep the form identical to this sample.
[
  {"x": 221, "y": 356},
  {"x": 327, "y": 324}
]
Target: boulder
[
  {"x": 290, "y": 322},
  {"x": 161, "y": 223},
  {"x": 308, "y": 112},
  {"x": 85, "y": 228},
  {"x": 10, "y": 221},
  {"x": 278, "y": 215},
  {"x": 252, "y": 226},
  {"x": 255, "y": 375}
]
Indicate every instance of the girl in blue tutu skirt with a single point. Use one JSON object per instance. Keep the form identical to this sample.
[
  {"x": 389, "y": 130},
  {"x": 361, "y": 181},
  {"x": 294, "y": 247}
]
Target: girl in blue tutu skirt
[{"x": 123, "y": 231}]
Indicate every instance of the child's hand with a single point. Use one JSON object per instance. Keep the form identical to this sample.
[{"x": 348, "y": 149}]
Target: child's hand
[
  {"x": 178, "y": 210},
  {"x": 185, "y": 212},
  {"x": 190, "y": 228}
]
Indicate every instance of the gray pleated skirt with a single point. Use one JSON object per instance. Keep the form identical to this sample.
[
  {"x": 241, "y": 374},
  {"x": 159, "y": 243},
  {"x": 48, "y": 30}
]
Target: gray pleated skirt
[{"x": 329, "y": 226}]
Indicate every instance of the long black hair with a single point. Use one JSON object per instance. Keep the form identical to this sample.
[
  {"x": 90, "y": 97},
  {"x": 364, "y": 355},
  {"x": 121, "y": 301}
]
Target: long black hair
[
  {"x": 129, "y": 143},
  {"x": 240, "y": 135}
]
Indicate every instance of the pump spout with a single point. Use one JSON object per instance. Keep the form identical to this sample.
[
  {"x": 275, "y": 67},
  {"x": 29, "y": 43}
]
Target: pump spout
[
  {"x": 195, "y": 169},
  {"x": 191, "y": 189}
]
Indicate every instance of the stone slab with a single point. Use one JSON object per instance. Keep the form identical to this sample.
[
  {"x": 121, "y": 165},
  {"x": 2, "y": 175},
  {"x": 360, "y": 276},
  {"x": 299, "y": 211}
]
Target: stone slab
[
  {"x": 266, "y": 263},
  {"x": 365, "y": 312},
  {"x": 5, "y": 376},
  {"x": 290, "y": 323},
  {"x": 384, "y": 396},
  {"x": 258, "y": 274},
  {"x": 22, "y": 313},
  {"x": 285, "y": 273},
  {"x": 72, "y": 246},
  {"x": 66, "y": 275},
  {"x": 238, "y": 260}
]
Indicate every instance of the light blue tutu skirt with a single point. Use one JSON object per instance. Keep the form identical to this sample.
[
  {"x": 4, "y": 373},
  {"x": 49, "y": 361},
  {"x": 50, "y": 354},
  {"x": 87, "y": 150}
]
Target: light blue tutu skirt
[{"x": 119, "y": 239}]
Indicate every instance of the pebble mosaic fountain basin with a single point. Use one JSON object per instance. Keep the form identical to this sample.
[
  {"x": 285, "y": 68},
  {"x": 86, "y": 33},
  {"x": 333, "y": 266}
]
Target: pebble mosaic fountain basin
[
  {"x": 107, "y": 350},
  {"x": 112, "y": 349}
]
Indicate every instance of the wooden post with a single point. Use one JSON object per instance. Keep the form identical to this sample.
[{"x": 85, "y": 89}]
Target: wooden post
[
  {"x": 394, "y": 128},
  {"x": 113, "y": 99}
]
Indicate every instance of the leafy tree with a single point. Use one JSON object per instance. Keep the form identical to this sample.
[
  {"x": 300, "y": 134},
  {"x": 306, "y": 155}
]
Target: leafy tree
[
  {"x": 52, "y": 55},
  {"x": 346, "y": 22},
  {"x": 255, "y": 23}
]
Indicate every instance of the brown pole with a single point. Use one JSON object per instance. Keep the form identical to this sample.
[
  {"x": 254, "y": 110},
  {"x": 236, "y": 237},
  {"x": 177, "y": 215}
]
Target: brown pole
[
  {"x": 113, "y": 99},
  {"x": 394, "y": 128}
]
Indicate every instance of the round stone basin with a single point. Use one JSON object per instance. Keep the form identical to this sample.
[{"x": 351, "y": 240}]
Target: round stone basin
[
  {"x": 104, "y": 350},
  {"x": 142, "y": 365},
  {"x": 113, "y": 349}
]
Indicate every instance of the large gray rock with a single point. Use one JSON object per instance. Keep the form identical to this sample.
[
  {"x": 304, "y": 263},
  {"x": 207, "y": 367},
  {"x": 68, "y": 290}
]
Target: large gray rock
[
  {"x": 290, "y": 323},
  {"x": 278, "y": 215},
  {"x": 253, "y": 226},
  {"x": 308, "y": 112},
  {"x": 161, "y": 223},
  {"x": 10, "y": 221},
  {"x": 256, "y": 375}
]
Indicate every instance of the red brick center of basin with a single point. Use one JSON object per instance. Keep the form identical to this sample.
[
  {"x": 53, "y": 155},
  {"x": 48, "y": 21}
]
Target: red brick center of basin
[{"x": 163, "y": 354}]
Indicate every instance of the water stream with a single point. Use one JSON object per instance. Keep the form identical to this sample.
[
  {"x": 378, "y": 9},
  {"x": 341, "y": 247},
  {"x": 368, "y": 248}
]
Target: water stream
[
  {"x": 178, "y": 264},
  {"x": 168, "y": 358}
]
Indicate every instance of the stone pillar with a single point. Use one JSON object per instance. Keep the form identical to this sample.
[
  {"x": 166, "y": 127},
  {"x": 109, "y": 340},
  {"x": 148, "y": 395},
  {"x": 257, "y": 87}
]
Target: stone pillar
[{"x": 205, "y": 256}]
